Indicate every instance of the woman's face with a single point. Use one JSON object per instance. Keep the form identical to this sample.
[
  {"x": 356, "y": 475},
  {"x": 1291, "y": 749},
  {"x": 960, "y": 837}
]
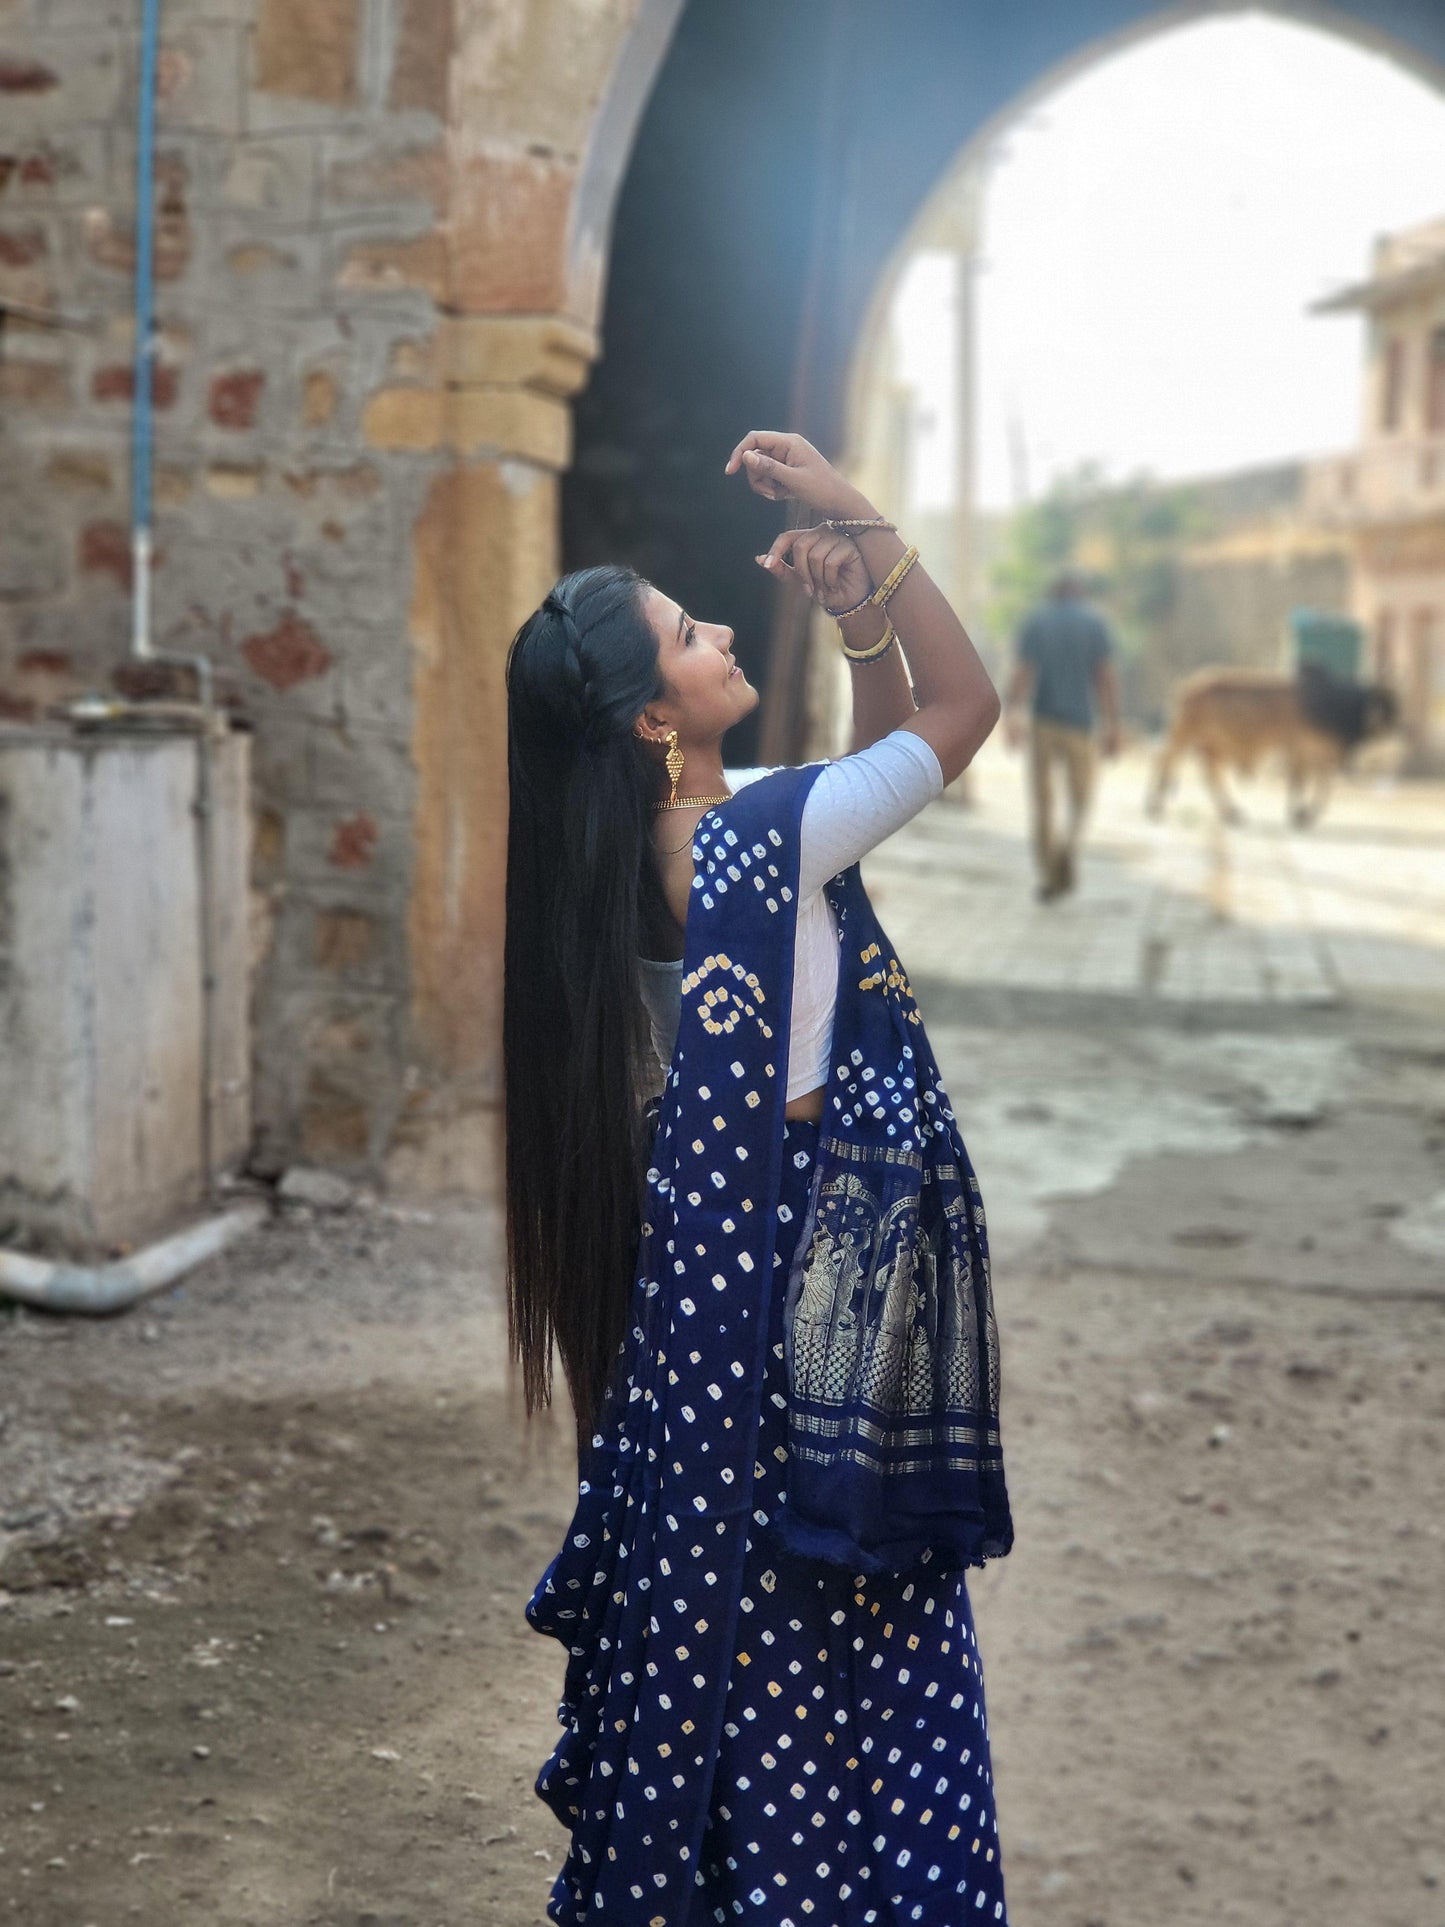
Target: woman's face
[{"x": 705, "y": 691}]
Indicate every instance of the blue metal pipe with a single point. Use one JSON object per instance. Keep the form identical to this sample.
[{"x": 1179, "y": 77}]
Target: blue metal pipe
[{"x": 142, "y": 407}]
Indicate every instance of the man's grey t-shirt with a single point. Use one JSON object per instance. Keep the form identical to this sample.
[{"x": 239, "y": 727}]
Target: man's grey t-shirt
[{"x": 1064, "y": 642}]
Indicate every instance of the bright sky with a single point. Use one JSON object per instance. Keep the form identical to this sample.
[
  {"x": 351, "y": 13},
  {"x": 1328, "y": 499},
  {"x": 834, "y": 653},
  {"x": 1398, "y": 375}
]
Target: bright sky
[{"x": 1153, "y": 234}]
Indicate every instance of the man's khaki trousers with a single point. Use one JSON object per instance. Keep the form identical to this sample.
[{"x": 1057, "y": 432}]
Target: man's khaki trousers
[{"x": 1069, "y": 751}]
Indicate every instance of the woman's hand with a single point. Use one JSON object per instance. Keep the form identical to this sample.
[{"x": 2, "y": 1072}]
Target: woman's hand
[
  {"x": 785, "y": 467},
  {"x": 825, "y": 565}
]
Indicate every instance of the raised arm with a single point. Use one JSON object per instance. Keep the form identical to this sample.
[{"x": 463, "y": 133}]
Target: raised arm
[{"x": 957, "y": 704}]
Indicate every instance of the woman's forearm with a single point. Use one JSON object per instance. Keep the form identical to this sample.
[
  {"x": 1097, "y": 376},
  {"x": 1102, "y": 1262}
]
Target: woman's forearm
[
  {"x": 957, "y": 704},
  {"x": 882, "y": 693}
]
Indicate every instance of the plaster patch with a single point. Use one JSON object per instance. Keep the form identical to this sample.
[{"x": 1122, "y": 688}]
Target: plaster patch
[{"x": 519, "y": 478}]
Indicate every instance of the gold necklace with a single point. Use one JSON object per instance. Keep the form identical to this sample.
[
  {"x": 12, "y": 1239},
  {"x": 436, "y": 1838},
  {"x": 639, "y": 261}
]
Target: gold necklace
[{"x": 661, "y": 849}]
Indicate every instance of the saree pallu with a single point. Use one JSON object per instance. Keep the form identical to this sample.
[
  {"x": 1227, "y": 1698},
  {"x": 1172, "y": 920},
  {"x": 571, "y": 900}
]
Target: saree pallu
[
  {"x": 648, "y": 1591},
  {"x": 853, "y": 1782}
]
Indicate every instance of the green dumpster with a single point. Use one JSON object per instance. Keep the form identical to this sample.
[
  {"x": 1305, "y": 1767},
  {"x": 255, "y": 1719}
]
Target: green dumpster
[{"x": 1335, "y": 643}]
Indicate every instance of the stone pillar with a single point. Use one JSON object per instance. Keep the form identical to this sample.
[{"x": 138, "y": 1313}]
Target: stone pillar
[{"x": 485, "y": 551}]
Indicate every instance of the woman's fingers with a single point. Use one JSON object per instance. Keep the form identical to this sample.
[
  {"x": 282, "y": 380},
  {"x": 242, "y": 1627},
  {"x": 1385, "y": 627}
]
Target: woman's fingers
[
  {"x": 826, "y": 566},
  {"x": 779, "y": 465},
  {"x": 797, "y": 555},
  {"x": 808, "y": 561},
  {"x": 763, "y": 441},
  {"x": 785, "y": 557},
  {"x": 765, "y": 475},
  {"x": 775, "y": 561},
  {"x": 831, "y": 562}
]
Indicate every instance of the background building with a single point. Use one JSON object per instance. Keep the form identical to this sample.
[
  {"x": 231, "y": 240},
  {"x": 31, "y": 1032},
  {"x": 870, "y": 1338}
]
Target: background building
[{"x": 1388, "y": 497}]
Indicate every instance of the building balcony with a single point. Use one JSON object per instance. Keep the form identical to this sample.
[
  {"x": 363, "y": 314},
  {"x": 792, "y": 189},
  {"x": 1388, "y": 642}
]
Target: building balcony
[{"x": 1399, "y": 480}]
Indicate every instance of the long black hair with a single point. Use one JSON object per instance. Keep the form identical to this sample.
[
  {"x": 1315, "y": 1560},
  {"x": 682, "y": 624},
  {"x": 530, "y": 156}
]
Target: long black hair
[{"x": 582, "y": 894}]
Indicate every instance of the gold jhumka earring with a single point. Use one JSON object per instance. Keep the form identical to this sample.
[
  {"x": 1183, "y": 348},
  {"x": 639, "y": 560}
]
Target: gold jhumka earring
[{"x": 674, "y": 762}]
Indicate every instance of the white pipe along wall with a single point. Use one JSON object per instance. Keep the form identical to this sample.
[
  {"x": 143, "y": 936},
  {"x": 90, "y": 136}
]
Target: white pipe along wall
[{"x": 56, "y": 1286}]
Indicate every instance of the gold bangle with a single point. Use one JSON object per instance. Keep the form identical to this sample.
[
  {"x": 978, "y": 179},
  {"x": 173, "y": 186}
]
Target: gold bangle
[
  {"x": 889, "y": 586},
  {"x": 875, "y": 649}
]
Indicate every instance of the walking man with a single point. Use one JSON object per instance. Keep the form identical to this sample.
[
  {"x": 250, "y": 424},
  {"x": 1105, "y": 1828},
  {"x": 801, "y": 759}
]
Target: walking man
[{"x": 1064, "y": 672}]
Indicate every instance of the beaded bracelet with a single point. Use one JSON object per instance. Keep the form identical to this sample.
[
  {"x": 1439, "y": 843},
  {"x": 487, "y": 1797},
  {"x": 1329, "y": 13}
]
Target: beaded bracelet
[
  {"x": 845, "y": 525},
  {"x": 839, "y": 615},
  {"x": 885, "y": 589},
  {"x": 875, "y": 651}
]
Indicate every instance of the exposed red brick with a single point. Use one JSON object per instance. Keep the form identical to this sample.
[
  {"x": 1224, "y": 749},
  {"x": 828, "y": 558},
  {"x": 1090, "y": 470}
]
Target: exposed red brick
[
  {"x": 116, "y": 382},
  {"x": 234, "y": 398},
  {"x": 16, "y": 709},
  {"x": 50, "y": 662},
  {"x": 354, "y": 842},
  {"x": 105, "y": 550},
  {"x": 41, "y": 166},
  {"x": 19, "y": 76},
  {"x": 290, "y": 653},
  {"x": 21, "y": 247}
]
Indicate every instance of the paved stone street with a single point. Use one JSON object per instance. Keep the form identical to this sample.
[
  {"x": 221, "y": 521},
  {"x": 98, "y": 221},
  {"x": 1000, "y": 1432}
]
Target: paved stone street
[{"x": 1185, "y": 910}]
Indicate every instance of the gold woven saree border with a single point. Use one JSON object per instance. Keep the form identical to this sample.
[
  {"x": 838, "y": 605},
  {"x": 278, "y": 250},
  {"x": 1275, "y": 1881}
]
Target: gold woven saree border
[
  {"x": 889, "y": 1154},
  {"x": 888, "y": 1434}
]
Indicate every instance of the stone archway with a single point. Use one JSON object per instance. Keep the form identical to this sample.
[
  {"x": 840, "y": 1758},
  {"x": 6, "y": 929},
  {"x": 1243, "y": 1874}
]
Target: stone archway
[
  {"x": 526, "y": 227},
  {"x": 781, "y": 163},
  {"x": 777, "y": 159}
]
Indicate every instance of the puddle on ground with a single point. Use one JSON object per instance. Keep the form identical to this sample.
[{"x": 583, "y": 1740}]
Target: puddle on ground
[
  {"x": 1422, "y": 1227},
  {"x": 1051, "y": 1114}
]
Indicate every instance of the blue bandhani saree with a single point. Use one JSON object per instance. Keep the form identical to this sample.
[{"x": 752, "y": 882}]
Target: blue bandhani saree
[{"x": 800, "y": 1450}]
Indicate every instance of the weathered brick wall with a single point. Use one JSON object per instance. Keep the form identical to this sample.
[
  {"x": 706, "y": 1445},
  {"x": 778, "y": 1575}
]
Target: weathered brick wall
[
  {"x": 300, "y": 178},
  {"x": 334, "y": 452}
]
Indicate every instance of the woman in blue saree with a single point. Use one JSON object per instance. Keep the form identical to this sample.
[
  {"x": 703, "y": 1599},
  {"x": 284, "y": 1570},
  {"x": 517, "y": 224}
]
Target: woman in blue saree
[{"x": 767, "y": 1282}]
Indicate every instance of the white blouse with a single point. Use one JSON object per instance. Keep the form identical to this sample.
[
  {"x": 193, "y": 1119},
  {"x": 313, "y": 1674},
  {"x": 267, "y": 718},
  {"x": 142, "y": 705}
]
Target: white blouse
[{"x": 853, "y": 805}]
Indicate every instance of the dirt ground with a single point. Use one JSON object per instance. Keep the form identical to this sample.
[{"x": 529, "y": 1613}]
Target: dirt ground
[{"x": 265, "y": 1541}]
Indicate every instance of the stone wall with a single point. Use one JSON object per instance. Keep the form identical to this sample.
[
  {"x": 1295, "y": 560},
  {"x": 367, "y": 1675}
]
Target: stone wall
[{"x": 373, "y": 302}]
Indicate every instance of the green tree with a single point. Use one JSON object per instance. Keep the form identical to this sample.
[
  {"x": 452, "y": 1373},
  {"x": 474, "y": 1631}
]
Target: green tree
[{"x": 1126, "y": 540}]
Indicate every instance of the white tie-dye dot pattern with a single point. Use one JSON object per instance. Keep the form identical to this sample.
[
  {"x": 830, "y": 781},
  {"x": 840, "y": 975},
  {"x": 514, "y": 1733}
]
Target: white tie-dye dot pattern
[{"x": 854, "y": 1768}]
